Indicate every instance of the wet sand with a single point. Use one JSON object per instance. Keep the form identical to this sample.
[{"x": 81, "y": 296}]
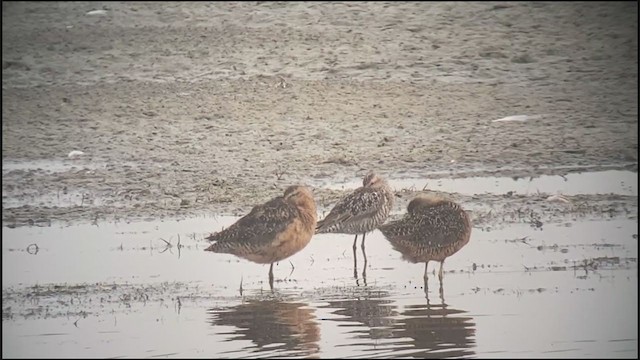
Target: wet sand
[
  {"x": 212, "y": 108},
  {"x": 190, "y": 114}
]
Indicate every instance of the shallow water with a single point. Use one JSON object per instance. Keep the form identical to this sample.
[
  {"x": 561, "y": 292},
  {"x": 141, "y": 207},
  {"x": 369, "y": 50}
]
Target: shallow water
[
  {"x": 116, "y": 290},
  {"x": 62, "y": 196},
  {"x": 53, "y": 166},
  {"x": 621, "y": 182}
]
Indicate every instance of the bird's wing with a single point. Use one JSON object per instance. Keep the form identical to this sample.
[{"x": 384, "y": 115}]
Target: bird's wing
[
  {"x": 259, "y": 226},
  {"x": 359, "y": 204},
  {"x": 399, "y": 229},
  {"x": 440, "y": 228},
  {"x": 430, "y": 226}
]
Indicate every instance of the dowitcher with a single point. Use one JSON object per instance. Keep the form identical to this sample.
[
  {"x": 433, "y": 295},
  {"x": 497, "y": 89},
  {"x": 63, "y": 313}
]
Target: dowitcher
[
  {"x": 433, "y": 229},
  {"x": 359, "y": 212},
  {"x": 272, "y": 231}
]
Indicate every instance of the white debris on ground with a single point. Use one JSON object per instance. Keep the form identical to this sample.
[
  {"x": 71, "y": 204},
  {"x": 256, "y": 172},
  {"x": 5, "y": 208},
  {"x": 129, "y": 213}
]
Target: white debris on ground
[
  {"x": 559, "y": 198},
  {"x": 75, "y": 154},
  {"x": 97, "y": 12},
  {"x": 520, "y": 118}
]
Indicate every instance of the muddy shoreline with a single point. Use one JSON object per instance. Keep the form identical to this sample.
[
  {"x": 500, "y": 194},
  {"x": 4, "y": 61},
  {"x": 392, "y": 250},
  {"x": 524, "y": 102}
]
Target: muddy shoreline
[{"x": 184, "y": 111}]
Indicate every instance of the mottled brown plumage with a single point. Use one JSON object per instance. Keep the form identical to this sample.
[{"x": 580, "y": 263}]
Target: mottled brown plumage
[
  {"x": 432, "y": 229},
  {"x": 361, "y": 211},
  {"x": 272, "y": 231}
]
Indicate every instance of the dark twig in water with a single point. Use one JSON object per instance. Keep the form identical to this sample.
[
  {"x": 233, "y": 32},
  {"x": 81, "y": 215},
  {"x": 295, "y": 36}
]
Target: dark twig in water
[
  {"x": 292, "y": 268},
  {"x": 167, "y": 247},
  {"x": 520, "y": 240},
  {"x": 33, "y": 249},
  {"x": 179, "y": 246},
  {"x": 525, "y": 241}
]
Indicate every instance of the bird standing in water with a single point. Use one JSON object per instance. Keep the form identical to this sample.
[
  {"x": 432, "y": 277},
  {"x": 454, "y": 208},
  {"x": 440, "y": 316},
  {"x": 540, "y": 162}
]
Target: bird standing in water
[
  {"x": 432, "y": 229},
  {"x": 272, "y": 231},
  {"x": 361, "y": 211}
]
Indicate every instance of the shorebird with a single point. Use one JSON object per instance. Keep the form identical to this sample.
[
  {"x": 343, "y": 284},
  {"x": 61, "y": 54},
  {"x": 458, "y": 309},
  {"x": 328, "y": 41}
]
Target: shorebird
[
  {"x": 433, "y": 229},
  {"x": 361, "y": 211},
  {"x": 272, "y": 231}
]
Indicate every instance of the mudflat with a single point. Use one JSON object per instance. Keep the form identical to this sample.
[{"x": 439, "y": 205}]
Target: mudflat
[{"x": 183, "y": 109}]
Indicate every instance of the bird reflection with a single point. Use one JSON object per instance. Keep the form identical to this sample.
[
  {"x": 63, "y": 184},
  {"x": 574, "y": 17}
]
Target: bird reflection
[
  {"x": 369, "y": 307},
  {"x": 422, "y": 330},
  {"x": 275, "y": 326},
  {"x": 435, "y": 331}
]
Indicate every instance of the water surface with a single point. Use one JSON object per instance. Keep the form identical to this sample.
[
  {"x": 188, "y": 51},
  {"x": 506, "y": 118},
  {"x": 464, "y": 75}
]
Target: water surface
[{"x": 118, "y": 290}]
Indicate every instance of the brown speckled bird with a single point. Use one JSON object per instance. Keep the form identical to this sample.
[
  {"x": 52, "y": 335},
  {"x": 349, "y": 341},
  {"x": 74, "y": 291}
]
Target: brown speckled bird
[
  {"x": 272, "y": 231},
  {"x": 361, "y": 211},
  {"x": 432, "y": 229}
]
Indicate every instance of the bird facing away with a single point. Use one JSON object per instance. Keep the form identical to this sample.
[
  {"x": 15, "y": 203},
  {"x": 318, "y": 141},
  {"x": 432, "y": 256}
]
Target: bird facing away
[
  {"x": 361, "y": 211},
  {"x": 272, "y": 231},
  {"x": 432, "y": 229}
]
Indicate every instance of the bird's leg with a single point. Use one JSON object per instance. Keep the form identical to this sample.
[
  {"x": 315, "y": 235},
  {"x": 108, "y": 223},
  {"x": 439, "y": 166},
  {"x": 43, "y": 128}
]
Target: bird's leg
[
  {"x": 240, "y": 285},
  {"x": 355, "y": 263},
  {"x": 441, "y": 287},
  {"x": 364, "y": 270},
  {"x": 362, "y": 246},
  {"x": 354, "y": 243},
  {"x": 271, "y": 276},
  {"x": 426, "y": 280},
  {"x": 426, "y": 265}
]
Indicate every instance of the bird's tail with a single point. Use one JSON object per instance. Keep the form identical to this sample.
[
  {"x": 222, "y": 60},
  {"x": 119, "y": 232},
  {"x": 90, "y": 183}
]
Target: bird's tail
[
  {"x": 212, "y": 247},
  {"x": 320, "y": 227},
  {"x": 219, "y": 247}
]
